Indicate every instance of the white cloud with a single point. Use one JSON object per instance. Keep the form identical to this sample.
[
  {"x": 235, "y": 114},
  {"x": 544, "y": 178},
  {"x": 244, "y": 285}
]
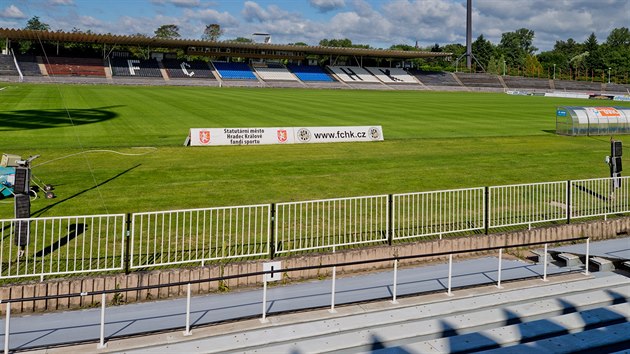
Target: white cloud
[
  {"x": 61, "y": 2},
  {"x": 12, "y": 12},
  {"x": 253, "y": 12},
  {"x": 179, "y": 3},
  {"x": 327, "y": 5},
  {"x": 208, "y": 16}
]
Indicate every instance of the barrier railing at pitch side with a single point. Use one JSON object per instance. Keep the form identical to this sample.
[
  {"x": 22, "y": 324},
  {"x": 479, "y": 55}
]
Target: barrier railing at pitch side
[
  {"x": 600, "y": 197},
  {"x": 526, "y": 204},
  {"x": 317, "y": 224},
  {"x": 199, "y": 235},
  {"x": 61, "y": 245},
  {"x": 437, "y": 213},
  {"x": 77, "y": 244}
]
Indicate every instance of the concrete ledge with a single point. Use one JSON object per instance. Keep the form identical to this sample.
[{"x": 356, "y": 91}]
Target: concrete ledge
[
  {"x": 540, "y": 254},
  {"x": 602, "y": 264},
  {"x": 570, "y": 260}
]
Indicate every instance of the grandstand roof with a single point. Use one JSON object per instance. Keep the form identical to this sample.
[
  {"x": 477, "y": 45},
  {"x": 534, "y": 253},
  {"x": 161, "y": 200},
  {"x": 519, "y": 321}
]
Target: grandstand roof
[{"x": 222, "y": 46}]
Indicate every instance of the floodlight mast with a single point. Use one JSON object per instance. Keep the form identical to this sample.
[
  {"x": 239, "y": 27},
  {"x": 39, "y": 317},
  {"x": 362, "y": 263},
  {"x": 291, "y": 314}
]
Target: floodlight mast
[
  {"x": 468, "y": 54},
  {"x": 469, "y": 34}
]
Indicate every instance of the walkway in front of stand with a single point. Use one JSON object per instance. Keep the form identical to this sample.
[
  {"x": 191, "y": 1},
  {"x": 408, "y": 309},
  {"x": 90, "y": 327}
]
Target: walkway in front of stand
[{"x": 62, "y": 328}]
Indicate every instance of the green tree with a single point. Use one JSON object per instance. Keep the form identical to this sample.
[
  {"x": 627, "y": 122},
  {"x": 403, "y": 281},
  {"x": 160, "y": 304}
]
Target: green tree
[
  {"x": 616, "y": 52},
  {"x": 242, "y": 40},
  {"x": 167, "y": 32},
  {"x": 532, "y": 66},
  {"x": 212, "y": 32},
  {"x": 34, "y": 23},
  {"x": 483, "y": 50},
  {"x": 515, "y": 46}
]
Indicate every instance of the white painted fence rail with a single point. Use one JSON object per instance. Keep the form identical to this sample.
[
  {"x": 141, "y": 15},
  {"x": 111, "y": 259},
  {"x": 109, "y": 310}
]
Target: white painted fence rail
[
  {"x": 61, "y": 245},
  {"x": 526, "y": 204},
  {"x": 437, "y": 213},
  {"x": 317, "y": 224},
  {"x": 78, "y": 244},
  {"x": 199, "y": 235},
  {"x": 600, "y": 196}
]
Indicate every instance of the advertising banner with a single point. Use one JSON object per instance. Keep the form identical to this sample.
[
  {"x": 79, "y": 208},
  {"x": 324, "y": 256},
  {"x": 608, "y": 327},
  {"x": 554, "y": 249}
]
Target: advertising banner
[
  {"x": 603, "y": 112},
  {"x": 291, "y": 135}
]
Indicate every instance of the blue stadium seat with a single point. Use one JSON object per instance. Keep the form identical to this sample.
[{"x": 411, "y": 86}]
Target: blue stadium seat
[
  {"x": 309, "y": 73},
  {"x": 234, "y": 71}
]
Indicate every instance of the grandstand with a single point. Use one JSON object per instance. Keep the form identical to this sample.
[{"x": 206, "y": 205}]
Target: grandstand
[
  {"x": 516, "y": 82},
  {"x": 29, "y": 65},
  {"x": 479, "y": 80},
  {"x": 309, "y": 73},
  {"x": 128, "y": 67},
  {"x": 273, "y": 72},
  {"x": 582, "y": 86},
  {"x": 182, "y": 69},
  {"x": 392, "y": 75},
  {"x": 234, "y": 71},
  {"x": 435, "y": 78},
  {"x": 75, "y": 66},
  {"x": 7, "y": 66},
  {"x": 353, "y": 74}
]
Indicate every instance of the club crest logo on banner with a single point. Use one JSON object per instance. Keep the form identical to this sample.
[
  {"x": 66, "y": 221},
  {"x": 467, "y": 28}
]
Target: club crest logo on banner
[
  {"x": 204, "y": 136},
  {"x": 283, "y": 135}
]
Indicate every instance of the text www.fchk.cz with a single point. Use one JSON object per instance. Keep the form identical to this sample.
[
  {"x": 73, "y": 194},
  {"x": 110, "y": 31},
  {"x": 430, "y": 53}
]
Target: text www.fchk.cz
[{"x": 340, "y": 134}]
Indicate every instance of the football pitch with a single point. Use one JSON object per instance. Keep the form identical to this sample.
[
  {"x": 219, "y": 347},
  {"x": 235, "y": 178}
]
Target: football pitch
[{"x": 119, "y": 149}]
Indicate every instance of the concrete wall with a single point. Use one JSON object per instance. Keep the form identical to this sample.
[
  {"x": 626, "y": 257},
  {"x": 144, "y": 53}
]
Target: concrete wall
[{"x": 595, "y": 229}]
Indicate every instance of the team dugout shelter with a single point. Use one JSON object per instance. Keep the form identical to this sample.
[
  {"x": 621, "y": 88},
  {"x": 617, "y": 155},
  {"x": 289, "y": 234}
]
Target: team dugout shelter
[
  {"x": 217, "y": 49},
  {"x": 586, "y": 121}
]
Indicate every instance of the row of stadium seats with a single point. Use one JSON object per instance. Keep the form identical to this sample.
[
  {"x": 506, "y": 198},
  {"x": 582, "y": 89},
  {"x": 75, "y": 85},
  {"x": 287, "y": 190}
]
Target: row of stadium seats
[{"x": 292, "y": 74}]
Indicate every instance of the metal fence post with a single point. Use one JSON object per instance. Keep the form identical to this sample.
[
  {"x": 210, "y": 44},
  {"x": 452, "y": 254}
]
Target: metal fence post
[
  {"x": 272, "y": 231},
  {"x": 128, "y": 243},
  {"x": 102, "y": 343},
  {"x": 545, "y": 264},
  {"x": 264, "y": 302},
  {"x": 6, "y": 329},
  {"x": 499, "y": 272},
  {"x": 568, "y": 201},
  {"x": 332, "y": 295},
  {"x": 588, "y": 249},
  {"x": 394, "y": 301},
  {"x": 450, "y": 273},
  {"x": 390, "y": 219},
  {"x": 486, "y": 209},
  {"x": 188, "y": 332}
]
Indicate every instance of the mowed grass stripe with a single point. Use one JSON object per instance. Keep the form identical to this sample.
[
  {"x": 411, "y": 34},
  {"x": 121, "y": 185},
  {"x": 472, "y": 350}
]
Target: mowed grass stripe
[{"x": 433, "y": 140}]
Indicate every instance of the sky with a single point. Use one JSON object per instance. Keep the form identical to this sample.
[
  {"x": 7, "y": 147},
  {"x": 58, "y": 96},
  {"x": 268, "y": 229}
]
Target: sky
[{"x": 379, "y": 23}]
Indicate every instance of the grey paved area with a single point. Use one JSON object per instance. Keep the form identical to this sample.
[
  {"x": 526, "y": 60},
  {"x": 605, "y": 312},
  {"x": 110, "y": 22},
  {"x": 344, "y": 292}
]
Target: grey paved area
[
  {"x": 616, "y": 248},
  {"x": 36, "y": 331}
]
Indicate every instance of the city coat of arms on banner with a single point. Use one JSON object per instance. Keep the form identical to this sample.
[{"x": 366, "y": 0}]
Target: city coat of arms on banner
[
  {"x": 204, "y": 136},
  {"x": 282, "y": 135}
]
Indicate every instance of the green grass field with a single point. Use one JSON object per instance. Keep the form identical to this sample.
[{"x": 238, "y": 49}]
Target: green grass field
[{"x": 433, "y": 140}]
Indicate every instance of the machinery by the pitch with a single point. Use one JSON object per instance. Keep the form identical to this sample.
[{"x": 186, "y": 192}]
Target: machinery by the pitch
[{"x": 10, "y": 167}]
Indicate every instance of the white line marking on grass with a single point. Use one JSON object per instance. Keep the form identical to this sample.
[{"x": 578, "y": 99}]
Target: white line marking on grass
[{"x": 2, "y": 88}]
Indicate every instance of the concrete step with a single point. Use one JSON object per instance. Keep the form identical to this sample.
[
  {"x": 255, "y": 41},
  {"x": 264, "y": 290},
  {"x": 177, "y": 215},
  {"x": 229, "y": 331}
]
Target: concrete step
[
  {"x": 507, "y": 336},
  {"x": 612, "y": 338},
  {"x": 396, "y": 323}
]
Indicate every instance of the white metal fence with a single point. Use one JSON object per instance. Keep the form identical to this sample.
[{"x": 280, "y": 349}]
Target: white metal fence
[
  {"x": 61, "y": 245},
  {"x": 199, "y": 235},
  {"x": 437, "y": 213},
  {"x": 526, "y": 204},
  {"x": 317, "y": 224},
  {"x": 601, "y": 196}
]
